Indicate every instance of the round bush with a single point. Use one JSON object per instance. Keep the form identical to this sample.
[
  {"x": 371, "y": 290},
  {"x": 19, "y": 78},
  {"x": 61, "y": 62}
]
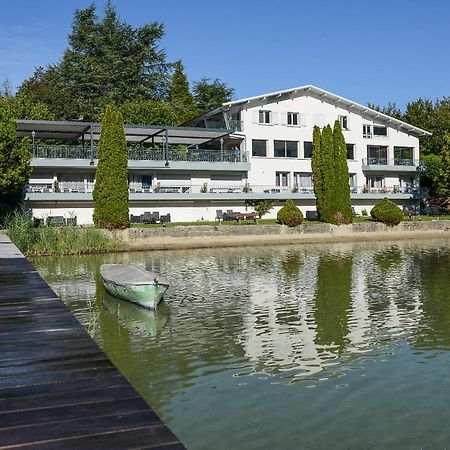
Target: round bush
[
  {"x": 387, "y": 212},
  {"x": 289, "y": 214}
]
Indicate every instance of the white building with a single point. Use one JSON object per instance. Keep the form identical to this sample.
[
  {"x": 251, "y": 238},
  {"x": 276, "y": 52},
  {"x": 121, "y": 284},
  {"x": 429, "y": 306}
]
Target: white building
[{"x": 254, "y": 148}]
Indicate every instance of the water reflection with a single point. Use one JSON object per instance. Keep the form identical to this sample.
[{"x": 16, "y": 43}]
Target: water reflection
[{"x": 256, "y": 318}]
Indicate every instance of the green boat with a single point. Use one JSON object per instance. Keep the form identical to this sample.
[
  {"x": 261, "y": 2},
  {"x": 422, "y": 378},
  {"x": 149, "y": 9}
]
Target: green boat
[{"x": 133, "y": 284}]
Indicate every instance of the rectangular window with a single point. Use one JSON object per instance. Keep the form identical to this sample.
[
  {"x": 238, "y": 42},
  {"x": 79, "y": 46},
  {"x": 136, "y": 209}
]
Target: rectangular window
[
  {"x": 379, "y": 130},
  {"x": 259, "y": 147},
  {"x": 367, "y": 131},
  {"x": 350, "y": 151},
  {"x": 352, "y": 179},
  {"x": 403, "y": 156},
  {"x": 264, "y": 117},
  {"x": 307, "y": 149},
  {"x": 282, "y": 178},
  {"x": 343, "y": 120},
  {"x": 377, "y": 154},
  {"x": 285, "y": 149},
  {"x": 303, "y": 180},
  {"x": 293, "y": 119}
]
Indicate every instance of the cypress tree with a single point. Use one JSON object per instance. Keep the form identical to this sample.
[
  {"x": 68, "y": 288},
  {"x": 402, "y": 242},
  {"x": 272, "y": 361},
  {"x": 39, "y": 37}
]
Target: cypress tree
[
  {"x": 328, "y": 176},
  {"x": 111, "y": 184},
  {"x": 341, "y": 202},
  {"x": 317, "y": 173},
  {"x": 180, "y": 95}
]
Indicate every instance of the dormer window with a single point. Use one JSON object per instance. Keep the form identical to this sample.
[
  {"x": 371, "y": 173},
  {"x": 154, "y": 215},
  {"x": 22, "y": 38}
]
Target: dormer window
[{"x": 265, "y": 116}]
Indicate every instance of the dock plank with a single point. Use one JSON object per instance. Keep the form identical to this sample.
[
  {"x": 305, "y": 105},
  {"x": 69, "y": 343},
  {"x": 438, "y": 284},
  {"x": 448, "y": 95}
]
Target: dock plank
[{"x": 57, "y": 388}]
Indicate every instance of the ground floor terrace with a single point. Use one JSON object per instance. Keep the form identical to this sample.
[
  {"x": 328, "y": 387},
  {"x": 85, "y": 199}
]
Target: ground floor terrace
[{"x": 192, "y": 207}]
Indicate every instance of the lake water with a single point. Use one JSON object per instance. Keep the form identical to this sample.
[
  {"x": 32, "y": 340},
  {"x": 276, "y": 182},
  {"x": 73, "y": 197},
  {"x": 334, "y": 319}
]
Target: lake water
[{"x": 299, "y": 347}]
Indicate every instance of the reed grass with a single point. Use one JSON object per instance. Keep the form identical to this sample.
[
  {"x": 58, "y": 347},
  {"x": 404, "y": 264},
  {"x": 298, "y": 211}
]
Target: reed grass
[{"x": 50, "y": 240}]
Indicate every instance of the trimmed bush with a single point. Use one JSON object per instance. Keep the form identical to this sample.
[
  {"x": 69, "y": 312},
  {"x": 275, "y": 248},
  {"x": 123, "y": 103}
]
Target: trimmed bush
[
  {"x": 387, "y": 212},
  {"x": 289, "y": 214}
]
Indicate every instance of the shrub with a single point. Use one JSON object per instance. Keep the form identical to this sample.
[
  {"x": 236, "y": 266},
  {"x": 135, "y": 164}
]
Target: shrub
[
  {"x": 289, "y": 214},
  {"x": 387, "y": 212},
  {"x": 364, "y": 212}
]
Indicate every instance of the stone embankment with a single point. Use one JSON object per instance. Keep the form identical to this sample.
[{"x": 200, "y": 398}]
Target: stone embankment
[{"x": 248, "y": 235}]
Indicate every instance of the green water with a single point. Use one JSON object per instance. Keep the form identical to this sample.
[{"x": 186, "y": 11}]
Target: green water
[{"x": 300, "y": 347}]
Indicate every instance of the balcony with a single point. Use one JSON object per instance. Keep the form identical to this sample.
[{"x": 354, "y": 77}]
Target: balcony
[
  {"x": 389, "y": 165},
  {"x": 186, "y": 158}
]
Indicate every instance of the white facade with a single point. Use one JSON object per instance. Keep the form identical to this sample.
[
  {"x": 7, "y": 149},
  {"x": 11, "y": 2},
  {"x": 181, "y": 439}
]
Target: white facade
[{"x": 267, "y": 156}]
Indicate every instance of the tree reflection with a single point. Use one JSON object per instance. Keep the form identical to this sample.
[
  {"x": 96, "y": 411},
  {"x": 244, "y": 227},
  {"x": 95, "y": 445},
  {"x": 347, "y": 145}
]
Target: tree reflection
[{"x": 332, "y": 303}]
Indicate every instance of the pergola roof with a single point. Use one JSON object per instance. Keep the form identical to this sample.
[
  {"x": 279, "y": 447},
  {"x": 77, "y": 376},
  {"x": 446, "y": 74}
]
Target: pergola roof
[{"x": 68, "y": 130}]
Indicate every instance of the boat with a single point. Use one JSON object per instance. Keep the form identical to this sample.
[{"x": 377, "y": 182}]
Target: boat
[{"x": 133, "y": 284}]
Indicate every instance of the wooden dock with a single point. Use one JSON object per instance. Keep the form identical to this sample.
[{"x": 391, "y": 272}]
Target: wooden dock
[{"x": 58, "y": 390}]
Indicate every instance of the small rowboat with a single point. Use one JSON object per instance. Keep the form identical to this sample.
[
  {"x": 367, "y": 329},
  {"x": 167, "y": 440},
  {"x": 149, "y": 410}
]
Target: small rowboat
[{"x": 133, "y": 284}]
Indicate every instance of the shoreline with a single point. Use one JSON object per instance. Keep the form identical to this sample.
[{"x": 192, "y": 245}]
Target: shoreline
[{"x": 175, "y": 238}]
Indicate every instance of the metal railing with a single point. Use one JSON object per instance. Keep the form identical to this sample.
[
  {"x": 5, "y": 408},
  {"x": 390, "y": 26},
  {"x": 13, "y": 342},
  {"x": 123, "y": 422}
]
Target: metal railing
[
  {"x": 143, "y": 154},
  {"x": 211, "y": 188},
  {"x": 390, "y": 162}
]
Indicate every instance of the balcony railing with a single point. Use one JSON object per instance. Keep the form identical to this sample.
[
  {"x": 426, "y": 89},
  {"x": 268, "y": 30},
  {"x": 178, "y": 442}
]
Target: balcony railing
[
  {"x": 390, "y": 162},
  {"x": 144, "y": 154},
  {"x": 206, "y": 188}
]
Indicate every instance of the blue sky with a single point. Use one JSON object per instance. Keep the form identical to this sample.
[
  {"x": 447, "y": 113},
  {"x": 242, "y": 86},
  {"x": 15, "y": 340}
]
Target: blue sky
[{"x": 368, "y": 52}]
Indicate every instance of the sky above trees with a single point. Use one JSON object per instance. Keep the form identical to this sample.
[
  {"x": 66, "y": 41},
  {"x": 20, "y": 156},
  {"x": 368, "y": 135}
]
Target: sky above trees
[{"x": 385, "y": 51}]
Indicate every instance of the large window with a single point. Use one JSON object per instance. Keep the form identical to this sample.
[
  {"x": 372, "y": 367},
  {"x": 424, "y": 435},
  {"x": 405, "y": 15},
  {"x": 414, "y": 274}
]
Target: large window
[
  {"x": 285, "y": 149},
  {"x": 350, "y": 151},
  {"x": 293, "y": 119},
  {"x": 303, "y": 181},
  {"x": 265, "y": 116},
  {"x": 259, "y": 147},
  {"x": 377, "y": 154},
  {"x": 403, "y": 156},
  {"x": 307, "y": 149}
]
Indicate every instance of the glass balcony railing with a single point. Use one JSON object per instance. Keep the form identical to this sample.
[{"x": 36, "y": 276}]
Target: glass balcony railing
[{"x": 390, "y": 162}]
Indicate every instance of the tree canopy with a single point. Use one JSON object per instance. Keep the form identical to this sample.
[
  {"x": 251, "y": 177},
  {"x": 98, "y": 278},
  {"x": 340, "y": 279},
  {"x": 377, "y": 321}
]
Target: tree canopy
[{"x": 211, "y": 94}]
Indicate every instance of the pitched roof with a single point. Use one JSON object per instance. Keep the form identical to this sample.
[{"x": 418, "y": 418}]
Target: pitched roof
[{"x": 325, "y": 96}]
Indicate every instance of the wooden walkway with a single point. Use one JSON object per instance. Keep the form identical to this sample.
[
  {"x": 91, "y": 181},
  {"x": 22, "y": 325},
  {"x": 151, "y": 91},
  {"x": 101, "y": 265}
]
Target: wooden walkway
[{"x": 58, "y": 390}]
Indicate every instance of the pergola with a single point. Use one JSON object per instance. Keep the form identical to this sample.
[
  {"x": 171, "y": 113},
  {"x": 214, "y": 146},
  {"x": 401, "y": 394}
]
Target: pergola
[{"x": 90, "y": 132}]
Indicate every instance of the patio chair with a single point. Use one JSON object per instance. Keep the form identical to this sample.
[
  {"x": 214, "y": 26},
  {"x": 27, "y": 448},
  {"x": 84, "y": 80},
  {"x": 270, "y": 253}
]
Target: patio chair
[
  {"x": 147, "y": 217},
  {"x": 155, "y": 217},
  {"x": 219, "y": 215}
]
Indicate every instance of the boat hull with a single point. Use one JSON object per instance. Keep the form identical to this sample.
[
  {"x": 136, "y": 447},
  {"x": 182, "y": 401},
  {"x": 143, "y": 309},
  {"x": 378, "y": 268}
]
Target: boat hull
[{"x": 146, "y": 295}]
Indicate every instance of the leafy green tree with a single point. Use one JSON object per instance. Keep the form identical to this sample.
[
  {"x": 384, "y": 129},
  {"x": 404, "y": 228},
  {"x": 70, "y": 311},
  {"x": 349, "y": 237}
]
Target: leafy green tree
[
  {"x": 261, "y": 207},
  {"x": 15, "y": 159},
  {"x": 341, "y": 203},
  {"x": 22, "y": 107},
  {"x": 391, "y": 109},
  {"x": 180, "y": 95},
  {"x": 107, "y": 61},
  {"x": 46, "y": 86},
  {"x": 211, "y": 94},
  {"x": 111, "y": 180},
  {"x": 444, "y": 179},
  {"x": 317, "y": 172},
  {"x": 150, "y": 112}
]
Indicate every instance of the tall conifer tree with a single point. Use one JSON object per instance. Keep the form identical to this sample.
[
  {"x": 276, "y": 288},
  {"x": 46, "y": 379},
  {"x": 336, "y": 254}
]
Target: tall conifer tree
[
  {"x": 180, "y": 95},
  {"x": 111, "y": 180},
  {"x": 327, "y": 173},
  {"x": 317, "y": 171},
  {"x": 342, "y": 203}
]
